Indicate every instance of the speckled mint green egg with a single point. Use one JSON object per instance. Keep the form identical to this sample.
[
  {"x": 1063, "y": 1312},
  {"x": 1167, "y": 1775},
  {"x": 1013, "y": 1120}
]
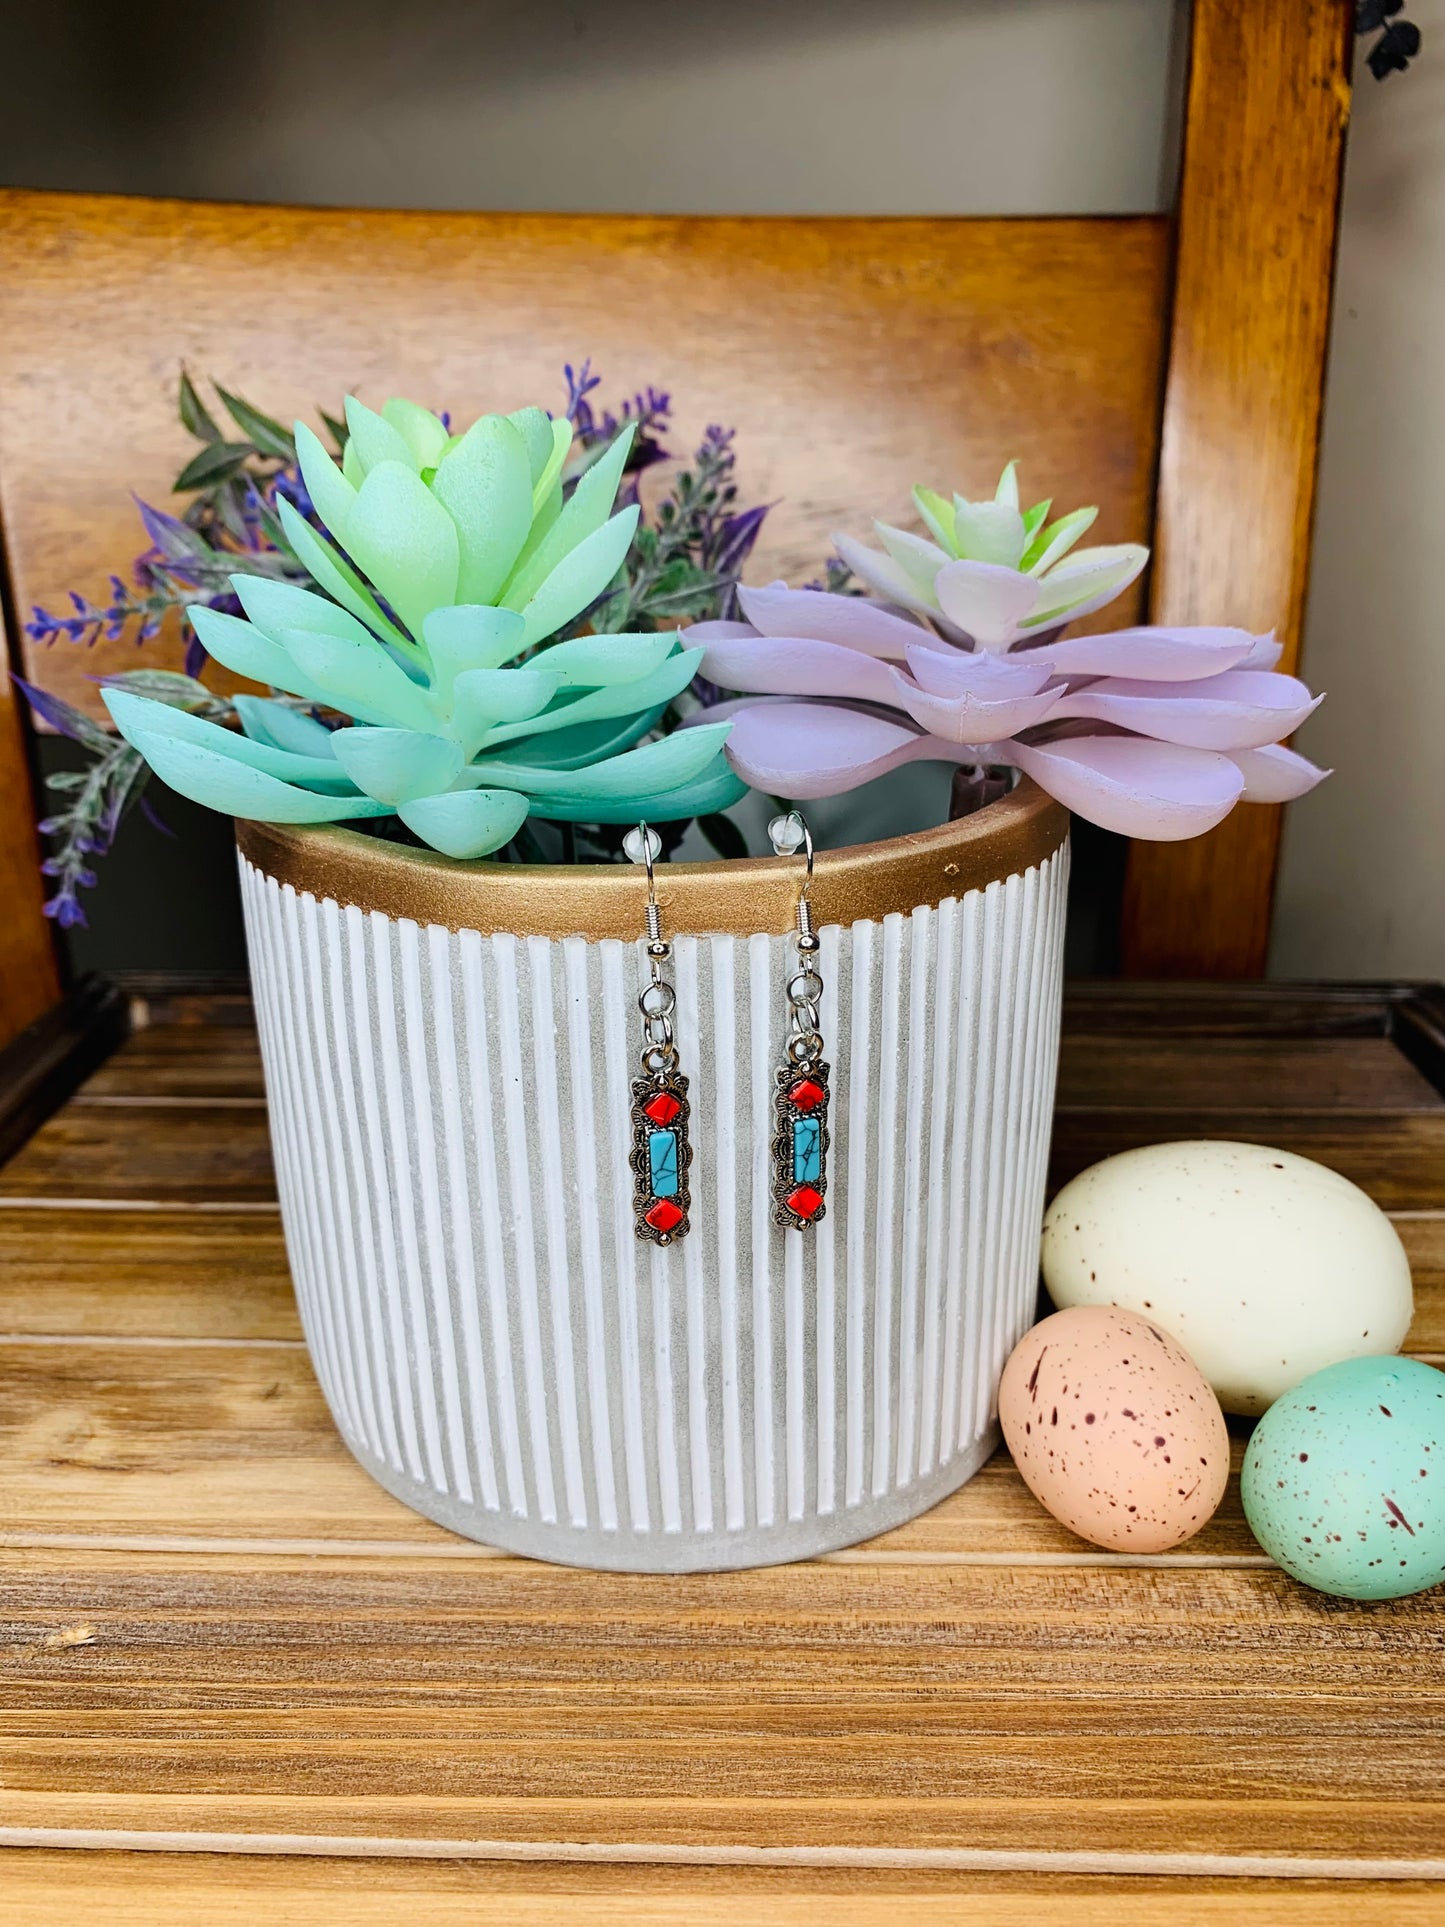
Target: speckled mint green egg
[{"x": 1344, "y": 1479}]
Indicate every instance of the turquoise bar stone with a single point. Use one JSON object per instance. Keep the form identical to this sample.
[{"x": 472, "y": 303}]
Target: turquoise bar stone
[
  {"x": 662, "y": 1163},
  {"x": 807, "y": 1150}
]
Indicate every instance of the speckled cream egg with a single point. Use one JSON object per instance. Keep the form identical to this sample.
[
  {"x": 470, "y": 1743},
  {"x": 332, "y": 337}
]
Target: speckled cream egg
[
  {"x": 1114, "y": 1429},
  {"x": 1265, "y": 1266},
  {"x": 1344, "y": 1479}
]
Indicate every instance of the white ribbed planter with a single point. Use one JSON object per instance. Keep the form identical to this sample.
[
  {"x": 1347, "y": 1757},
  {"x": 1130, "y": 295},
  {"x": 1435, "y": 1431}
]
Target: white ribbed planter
[{"x": 450, "y": 1115}]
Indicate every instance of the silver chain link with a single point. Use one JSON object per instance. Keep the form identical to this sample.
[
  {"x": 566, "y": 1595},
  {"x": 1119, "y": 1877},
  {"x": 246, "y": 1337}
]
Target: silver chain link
[
  {"x": 804, "y": 1044},
  {"x": 804, "y": 992},
  {"x": 657, "y": 1000}
]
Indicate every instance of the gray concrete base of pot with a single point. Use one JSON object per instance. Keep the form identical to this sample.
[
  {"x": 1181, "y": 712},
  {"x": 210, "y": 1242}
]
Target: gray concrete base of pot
[{"x": 622, "y": 1549}]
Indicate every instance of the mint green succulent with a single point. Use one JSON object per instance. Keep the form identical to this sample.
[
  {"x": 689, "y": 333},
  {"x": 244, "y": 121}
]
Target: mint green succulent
[{"x": 454, "y": 558}]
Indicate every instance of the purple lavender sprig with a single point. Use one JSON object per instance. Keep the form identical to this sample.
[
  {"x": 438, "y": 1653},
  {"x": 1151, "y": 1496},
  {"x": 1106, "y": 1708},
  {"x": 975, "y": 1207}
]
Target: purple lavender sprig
[
  {"x": 650, "y": 410},
  {"x": 231, "y": 519},
  {"x": 581, "y": 382},
  {"x": 89, "y": 621},
  {"x": 685, "y": 565},
  {"x": 100, "y": 796}
]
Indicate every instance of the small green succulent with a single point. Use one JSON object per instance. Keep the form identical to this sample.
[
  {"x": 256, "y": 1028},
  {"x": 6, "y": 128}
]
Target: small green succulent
[{"x": 455, "y": 558}]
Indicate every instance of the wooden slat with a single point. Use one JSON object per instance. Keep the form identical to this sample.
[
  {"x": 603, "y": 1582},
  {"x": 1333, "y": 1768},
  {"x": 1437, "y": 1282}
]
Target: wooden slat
[
  {"x": 275, "y": 1647},
  {"x": 1098, "y": 1070},
  {"x": 186, "y": 1439},
  {"x": 173, "y": 1154},
  {"x": 29, "y": 977},
  {"x": 123, "y": 1441},
  {"x": 54, "y": 1889},
  {"x": 174, "y": 1273},
  {"x": 155, "y": 1274},
  {"x": 1347, "y": 1076},
  {"x": 1258, "y": 207},
  {"x": 109, "y": 1821},
  {"x": 854, "y": 357},
  {"x": 166, "y": 1153},
  {"x": 183, "y": 1060},
  {"x": 212, "y": 1154},
  {"x": 1399, "y": 1159},
  {"x": 41, "y": 1069},
  {"x": 1261, "y": 1011},
  {"x": 1027, "y": 1710},
  {"x": 1424, "y": 1241}
]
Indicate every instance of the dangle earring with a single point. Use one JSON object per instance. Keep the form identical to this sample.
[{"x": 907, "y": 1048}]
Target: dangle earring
[
  {"x": 661, "y": 1152},
  {"x": 800, "y": 1143}
]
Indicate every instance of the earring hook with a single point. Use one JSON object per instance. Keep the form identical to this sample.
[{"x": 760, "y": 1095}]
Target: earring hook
[
  {"x": 641, "y": 846},
  {"x": 788, "y": 834}
]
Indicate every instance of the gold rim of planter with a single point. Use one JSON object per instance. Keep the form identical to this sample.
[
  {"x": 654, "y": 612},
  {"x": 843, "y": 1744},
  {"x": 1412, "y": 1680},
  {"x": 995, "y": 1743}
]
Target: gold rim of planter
[{"x": 735, "y": 897}]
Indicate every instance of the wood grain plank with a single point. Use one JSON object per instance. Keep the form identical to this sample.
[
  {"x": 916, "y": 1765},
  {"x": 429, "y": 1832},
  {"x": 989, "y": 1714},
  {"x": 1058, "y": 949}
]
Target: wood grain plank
[
  {"x": 826, "y": 342},
  {"x": 1399, "y": 1159},
  {"x": 1097, "y": 1070},
  {"x": 1203, "y": 1010},
  {"x": 55, "y": 1889},
  {"x": 29, "y": 976},
  {"x": 201, "y": 1442},
  {"x": 397, "y": 1690},
  {"x": 798, "y": 1830},
  {"x": 184, "y": 1060},
  {"x": 1424, "y": 1242},
  {"x": 191, "y": 1275},
  {"x": 235, "y": 1442},
  {"x": 172, "y": 1154},
  {"x": 1257, "y": 221},
  {"x": 1345, "y": 1075},
  {"x": 167, "y": 1154},
  {"x": 158, "y": 1274},
  {"x": 1027, "y": 1710}
]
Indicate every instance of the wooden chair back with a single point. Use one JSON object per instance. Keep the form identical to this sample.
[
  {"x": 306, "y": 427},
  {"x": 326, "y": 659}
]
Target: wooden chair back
[{"x": 1168, "y": 369}]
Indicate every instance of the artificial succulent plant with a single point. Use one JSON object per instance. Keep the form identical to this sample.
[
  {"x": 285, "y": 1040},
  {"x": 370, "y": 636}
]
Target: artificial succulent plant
[
  {"x": 1152, "y": 732},
  {"x": 453, "y": 560}
]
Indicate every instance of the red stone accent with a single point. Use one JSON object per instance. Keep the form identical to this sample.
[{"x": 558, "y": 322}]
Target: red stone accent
[
  {"x": 805, "y": 1202},
  {"x": 806, "y": 1095},
  {"x": 666, "y": 1216},
  {"x": 662, "y": 1109}
]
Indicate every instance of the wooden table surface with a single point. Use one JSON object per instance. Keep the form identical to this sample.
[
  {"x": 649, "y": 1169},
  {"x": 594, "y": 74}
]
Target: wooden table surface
[{"x": 250, "y": 1685}]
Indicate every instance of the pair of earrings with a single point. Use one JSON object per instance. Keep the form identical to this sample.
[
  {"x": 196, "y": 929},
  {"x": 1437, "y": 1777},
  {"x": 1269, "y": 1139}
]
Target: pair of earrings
[{"x": 661, "y": 1146}]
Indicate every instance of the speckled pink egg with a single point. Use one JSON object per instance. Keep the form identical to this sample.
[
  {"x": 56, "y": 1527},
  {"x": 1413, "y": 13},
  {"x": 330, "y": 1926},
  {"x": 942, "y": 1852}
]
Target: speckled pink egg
[{"x": 1114, "y": 1429}]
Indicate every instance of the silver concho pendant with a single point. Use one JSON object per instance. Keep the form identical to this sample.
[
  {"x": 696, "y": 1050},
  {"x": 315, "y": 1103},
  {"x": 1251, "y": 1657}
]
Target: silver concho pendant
[
  {"x": 800, "y": 1144},
  {"x": 661, "y": 1155}
]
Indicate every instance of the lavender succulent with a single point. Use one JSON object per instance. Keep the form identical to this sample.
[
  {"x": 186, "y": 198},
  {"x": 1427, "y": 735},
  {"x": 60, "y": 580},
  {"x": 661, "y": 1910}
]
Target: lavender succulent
[{"x": 1152, "y": 732}]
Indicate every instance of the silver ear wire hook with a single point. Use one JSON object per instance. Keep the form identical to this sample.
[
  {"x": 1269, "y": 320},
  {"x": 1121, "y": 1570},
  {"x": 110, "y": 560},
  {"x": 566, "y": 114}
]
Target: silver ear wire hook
[
  {"x": 788, "y": 834},
  {"x": 661, "y": 1152},
  {"x": 800, "y": 1146},
  {"x": 641, "y": 846}
]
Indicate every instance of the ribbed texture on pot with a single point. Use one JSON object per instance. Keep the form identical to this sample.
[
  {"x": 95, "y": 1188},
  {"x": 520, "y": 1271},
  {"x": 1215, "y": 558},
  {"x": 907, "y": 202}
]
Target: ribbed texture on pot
[{"x": 450, "y": 1117}]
